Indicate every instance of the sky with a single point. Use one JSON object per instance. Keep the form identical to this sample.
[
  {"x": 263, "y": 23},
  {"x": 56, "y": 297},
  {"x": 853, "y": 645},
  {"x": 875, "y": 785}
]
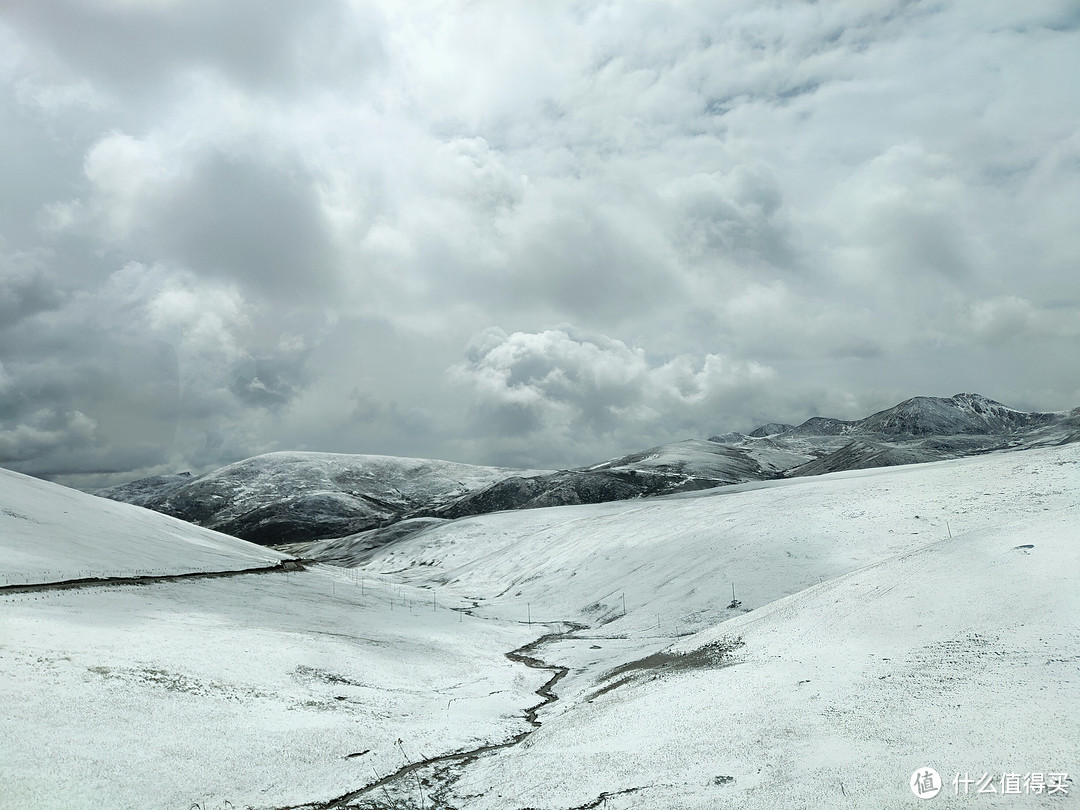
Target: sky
[{"x": 536, "y": 234}]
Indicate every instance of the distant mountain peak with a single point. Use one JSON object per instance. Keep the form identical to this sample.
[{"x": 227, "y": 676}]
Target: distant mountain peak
[
  {"x": 770, "y": 429},
  {"x": 964, "y": 414},
  {"x": 960, "y": 414}
]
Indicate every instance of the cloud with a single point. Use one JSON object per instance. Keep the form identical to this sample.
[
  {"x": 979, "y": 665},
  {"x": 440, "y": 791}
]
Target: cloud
[
  {"x": 1012, "y": 318},
  {"x": 46, "y": 431},
  {"x": 247, "y": 225},
  {"x": 738, "y": 216},
  {"x": 159, "y": 361},
  {"x": 567, "y": 387},
  {"x": 136, "y": 46},
  {"x": 26, "y": 286},
  {"x": 217, "y": 214},
  {"x": 273, "y": 379}
]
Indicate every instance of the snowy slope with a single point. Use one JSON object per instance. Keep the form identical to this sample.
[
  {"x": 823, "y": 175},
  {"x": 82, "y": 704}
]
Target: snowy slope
[
  {"x": 877, "y": 644},
  {"x": 709, "y": 461},
  {"x": 963, "y": 655},
  {"x": 679, "y": 555},
  {"x": 260, "y": 689},
  {"x": 254, "y": 690},
  {"x": 50, "y": 533},
  {"x": 692, "y": 458},
  {"x": 886, "y": 619},
  {"x": 346, "y": 551}
]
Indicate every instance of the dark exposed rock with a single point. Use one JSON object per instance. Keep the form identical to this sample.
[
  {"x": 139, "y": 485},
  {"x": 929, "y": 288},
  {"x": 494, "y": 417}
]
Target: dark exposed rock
[
  {"x": 294, "y": 497},
  {"x": 771, "y": 429}
]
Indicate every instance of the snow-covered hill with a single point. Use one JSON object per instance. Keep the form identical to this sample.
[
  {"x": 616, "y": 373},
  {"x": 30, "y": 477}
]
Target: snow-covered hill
[
  {"x": 918, "y": 430},
  {"x": 292, "y": 497},
  {"x": 252, "y": 689},
  {"x": 681, "y": 554},
  {"x": 962, "y": 655},
  {"x": 882, "y": 616},
  {"x": 971, "y": 414},
  {"x": 50, "y": 533},
  {"x": 882, "y": 620}
]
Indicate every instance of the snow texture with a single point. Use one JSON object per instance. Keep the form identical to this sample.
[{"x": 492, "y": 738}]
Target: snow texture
[
  {"x": 51, "y": 534},
  {"x": 882, "y": 620}
]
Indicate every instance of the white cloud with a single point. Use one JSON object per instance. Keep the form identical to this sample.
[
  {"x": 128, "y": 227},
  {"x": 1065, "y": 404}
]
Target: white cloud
[
  {"x": 869, "y": 198},
  {"x": 582, "y": 388}
]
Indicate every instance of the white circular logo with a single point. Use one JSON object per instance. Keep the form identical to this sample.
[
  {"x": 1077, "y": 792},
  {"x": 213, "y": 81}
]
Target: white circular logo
[{"x": 925, "y": 783}]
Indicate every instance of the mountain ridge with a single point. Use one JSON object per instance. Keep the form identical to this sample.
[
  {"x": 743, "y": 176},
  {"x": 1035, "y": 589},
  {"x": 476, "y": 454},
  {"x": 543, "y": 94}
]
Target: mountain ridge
[
  {"x": 960, "y": 414},
  {"x": 300, "y": 496}
]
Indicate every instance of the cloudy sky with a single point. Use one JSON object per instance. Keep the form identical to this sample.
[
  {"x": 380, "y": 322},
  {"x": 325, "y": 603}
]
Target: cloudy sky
[{"x": 535, "y": 233}]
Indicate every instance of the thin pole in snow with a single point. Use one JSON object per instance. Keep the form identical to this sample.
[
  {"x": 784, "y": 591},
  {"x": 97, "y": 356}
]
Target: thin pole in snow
[
  {"x": 529, "y": 606},
  {"x": 949, "y": 528},
  {"x": 624, "y": 604}
]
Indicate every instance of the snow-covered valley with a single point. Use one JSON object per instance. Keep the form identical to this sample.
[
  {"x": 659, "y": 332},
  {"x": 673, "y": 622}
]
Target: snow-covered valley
[{"x": 882, "y": 620}]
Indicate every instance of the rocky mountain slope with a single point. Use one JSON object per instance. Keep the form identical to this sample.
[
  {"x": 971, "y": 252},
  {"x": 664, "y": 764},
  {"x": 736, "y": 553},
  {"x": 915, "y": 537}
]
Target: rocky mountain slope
[
  {"x": 679, "y": 467},
  {"x": 925, "y": 429},
  {"x": 293, "y": 497},
  {"x": 298, "y": 497}
]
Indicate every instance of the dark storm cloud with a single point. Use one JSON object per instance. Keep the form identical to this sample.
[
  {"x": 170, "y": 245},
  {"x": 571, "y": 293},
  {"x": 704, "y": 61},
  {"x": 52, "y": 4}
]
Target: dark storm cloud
[
  {"x": 539, "y": 233},
  {"x": 110, "y": 407},
  {"x": 25, "y": 287},
  {"x": 254, "y": 223},
  {"x": 271, "y": 380}
]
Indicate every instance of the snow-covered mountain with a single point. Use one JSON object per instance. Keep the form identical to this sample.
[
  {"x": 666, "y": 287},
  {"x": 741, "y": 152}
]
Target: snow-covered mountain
[
  {"x": 962, "y": 414},
  {"x": 917, "y": 430},
  {"x": 678, "y": 467},
  {"x": 293, "y": 497},
  {"x": 282, "y": 498}
]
